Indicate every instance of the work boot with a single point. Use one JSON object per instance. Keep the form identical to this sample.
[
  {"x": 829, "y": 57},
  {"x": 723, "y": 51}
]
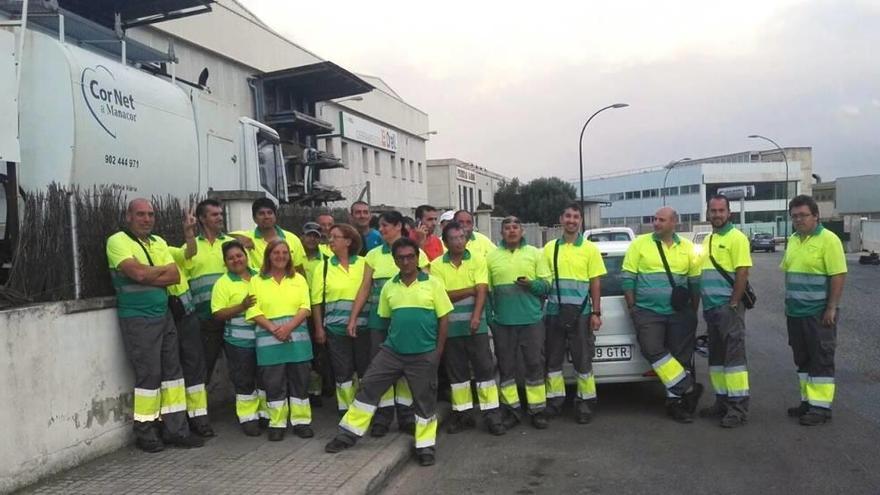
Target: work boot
[
  {"x": 455, "y": 424},
  {"x": 497, "y": 429},
  {"x": 378, "y": 430},
  {"x": 316, "y": 401},
  {"x": 796, "y": 412},
  {"x": 815, "y": 417},
  {"x": 335, "y": 446},
  {"x": 151, "y": 445},
  {"x": 678, "y": 411},
  {"x": 426, "y": 458},
  {"x": 552, "y": 410},
  {"x": 202, "y": 429},
  {"x": 510, "y": 420},
  {"x": 251, "y": 428},
  {"x": 539, "y": 421},
  {"x": 187, "y": 442},
  {"x": 732, "y": 421},
  {"x": 276, "y": 434},
  {"x": 303, "y": 431},
  {"x": 716, "y": 410},
  {"x": 583, "y": 414},
  {"x": 692, "y": 398},
  {"x": 264, "y": 423}
]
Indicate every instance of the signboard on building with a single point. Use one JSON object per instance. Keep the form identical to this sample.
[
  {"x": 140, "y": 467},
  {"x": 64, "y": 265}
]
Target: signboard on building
[
  {"x": 363, "y": 131},
  {"x": 465, "y": 174}
]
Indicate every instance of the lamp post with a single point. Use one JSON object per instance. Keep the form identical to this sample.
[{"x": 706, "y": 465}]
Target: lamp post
[
  {"x": 350, "y": 98},
  {"x": 429, "y": 133},
  {"x": 581, "y": 148},
  {"x": 669, "y": 166},
  {"x": 785, "y": 159}
]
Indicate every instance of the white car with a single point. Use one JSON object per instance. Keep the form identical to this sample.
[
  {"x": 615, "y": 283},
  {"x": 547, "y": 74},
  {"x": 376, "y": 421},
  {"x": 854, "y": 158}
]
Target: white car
[
  {"x": 618, "y": 357},
  {"x": 610, "y": 234}
]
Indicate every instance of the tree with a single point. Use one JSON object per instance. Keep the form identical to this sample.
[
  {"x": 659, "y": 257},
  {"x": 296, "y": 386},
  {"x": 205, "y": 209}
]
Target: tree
[{"x": 541, "y": 200}]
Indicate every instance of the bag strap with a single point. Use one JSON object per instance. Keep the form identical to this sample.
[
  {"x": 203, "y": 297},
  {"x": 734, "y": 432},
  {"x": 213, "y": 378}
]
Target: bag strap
[
  {"x": 556, "y": 273},
  {"x": 324, "y": 291},
  {"x": 139, "y": 243},
  {"x": 556, "y": 276},
  {"x": 665, "y": 264},
  {"x": 717, "y": 266}
]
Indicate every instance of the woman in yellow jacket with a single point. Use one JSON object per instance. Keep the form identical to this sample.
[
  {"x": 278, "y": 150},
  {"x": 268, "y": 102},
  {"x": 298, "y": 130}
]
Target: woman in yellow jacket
[
  {"x": 230, "y": 299},
  {"x": 335, "y": 284},
  {"x": 284, "y": 348}
]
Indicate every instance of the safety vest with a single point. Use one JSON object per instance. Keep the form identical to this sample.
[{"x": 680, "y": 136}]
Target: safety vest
[
  {"x": 132, "y": 298},
  {"x": 471, "y": 272},
  {"x": 230, "y": 290},
  {"x": 204, "y": 269},
  {"x": 279, "y": 302},
  {"x": 380, "y": 260},
  {"x": 577, "y": 263},
  {"x": 413, "y": 311},
  {"x": 339, "y": 293},
  {"x": 511, "y": 304},
  {"x": 731, "y": 250},
  {"x": 643, "y": 271},
  {"x": 809, "y": 263}
]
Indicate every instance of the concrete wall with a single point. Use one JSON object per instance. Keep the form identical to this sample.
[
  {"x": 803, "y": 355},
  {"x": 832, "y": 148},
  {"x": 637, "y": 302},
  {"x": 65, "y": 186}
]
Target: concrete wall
[{"x": 66, "y": 388}]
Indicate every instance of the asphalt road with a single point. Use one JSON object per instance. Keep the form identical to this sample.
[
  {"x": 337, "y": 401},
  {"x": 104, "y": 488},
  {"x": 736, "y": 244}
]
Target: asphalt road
[{"x": 632, "y": 447}]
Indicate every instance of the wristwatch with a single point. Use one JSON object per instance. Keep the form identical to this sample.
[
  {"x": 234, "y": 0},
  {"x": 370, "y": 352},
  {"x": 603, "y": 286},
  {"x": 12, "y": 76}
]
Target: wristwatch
[{"x": 596, "y": 313}]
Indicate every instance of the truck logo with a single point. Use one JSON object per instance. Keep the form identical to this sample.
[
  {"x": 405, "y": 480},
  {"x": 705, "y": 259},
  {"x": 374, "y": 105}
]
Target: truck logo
[{"x": 105, "y": 101}]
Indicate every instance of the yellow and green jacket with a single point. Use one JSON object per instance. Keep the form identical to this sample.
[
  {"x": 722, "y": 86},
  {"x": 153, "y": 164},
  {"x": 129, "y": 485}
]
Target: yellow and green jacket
[
  {"x": 643, "y": 272},
  {"x": 732, "y": 250},
  {"x": 809, "y": 263},
  {"x": 511, "y": 304}
]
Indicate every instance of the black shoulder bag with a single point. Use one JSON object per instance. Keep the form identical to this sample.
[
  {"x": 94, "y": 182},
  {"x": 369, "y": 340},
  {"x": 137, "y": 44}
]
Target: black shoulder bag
[
  {"x": 749, "y": 298},
  {"x": 567, "y": 315},
  {"x": 681, "y": 296},
  {"x": 175, "y": 305}
]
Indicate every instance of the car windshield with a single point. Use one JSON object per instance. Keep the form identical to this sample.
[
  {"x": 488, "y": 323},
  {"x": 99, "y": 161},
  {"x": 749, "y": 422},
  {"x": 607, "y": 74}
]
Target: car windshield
[
  {"x": 609, "y": 237},
  {"x": 611, "y": 283}
]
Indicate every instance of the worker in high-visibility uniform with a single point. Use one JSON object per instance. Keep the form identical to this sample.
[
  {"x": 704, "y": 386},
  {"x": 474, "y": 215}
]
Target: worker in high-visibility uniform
[
  {"x": 381, "y": 268},
  {"x": 335, "y": 285},
  {"x": 477, "y": 243},
  {"x": 815, "y": 271},
  {"x": 725, "y": 314},
  {"x": 666, "y": 333},
  {"x": 466, "y": 279},
  {"x": 204, "y": 265},
  {"x": 518, "y": 279},
  {"x": 142, "y": 268},
  {"x": 416, "y": 306},
  {"x": 189, "y": 338},
  {"x": 284, "y": 348},
  {"x": 265, "y": 217},
  {"x": 316, "y": 252},
  {"x": 574, "y": 313},
  {"x": 230, "y": 299}
]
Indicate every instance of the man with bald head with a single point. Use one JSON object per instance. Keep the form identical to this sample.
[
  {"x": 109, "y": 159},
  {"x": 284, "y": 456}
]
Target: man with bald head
[
  {"x": 660, "y": 278},
  {"x": 142, "y": 269}
]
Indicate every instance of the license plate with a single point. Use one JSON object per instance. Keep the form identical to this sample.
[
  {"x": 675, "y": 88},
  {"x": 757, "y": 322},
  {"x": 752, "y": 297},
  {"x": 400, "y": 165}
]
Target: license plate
[{"x": 612, "y": 353}]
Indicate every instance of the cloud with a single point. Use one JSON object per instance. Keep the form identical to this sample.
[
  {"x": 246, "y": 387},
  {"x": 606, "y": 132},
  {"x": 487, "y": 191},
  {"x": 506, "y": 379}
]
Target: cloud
[{"x": 509, "y": 89}]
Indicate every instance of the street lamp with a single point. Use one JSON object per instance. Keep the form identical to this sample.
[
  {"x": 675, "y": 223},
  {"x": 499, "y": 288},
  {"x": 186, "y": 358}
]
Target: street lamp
[
  {"x": 785, "y": 159},
  {"x": 429, "y": 133},
  {"x": 351, "y": 98},
  {"x": 581, "y": 147},
  {"x": 669, "y": 166}
]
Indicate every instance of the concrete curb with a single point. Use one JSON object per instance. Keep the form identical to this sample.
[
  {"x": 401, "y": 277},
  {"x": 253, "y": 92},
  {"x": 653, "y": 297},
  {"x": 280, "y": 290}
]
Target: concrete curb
[{"x": 372, "y": 478}]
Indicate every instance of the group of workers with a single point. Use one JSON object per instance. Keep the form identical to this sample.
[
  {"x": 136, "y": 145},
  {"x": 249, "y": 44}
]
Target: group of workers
[{"x": 381, "y": 311}]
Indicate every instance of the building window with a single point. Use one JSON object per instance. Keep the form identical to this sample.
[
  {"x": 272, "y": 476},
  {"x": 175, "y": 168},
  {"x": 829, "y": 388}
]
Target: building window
[
  {"x": 377, "y": 163},
  {"x": 364, "y": 160},
  {"x": 648, "y": 219},
  {"x": 480, "y": 196},
  {"x": 393, "y": 167},
  {"x": 412, "y": 171},
  {"x": 402, "y": 169},
  {"x": 345, "y": 158},
  {"x": 616, "y": 197},
  {"x": 420, "y": 172},
  {"x": 633, "y": 194},
  {"x": 649, "y": 193},
  {"x": 691, "y": 189},
  {"x": 471, "y": 197},
  {"x": 670, "y": 191},
  {"x": 460, "y": 198}
]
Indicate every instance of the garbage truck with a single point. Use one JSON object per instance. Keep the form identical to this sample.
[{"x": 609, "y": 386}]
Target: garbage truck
[{"x": 76, "y": 116}]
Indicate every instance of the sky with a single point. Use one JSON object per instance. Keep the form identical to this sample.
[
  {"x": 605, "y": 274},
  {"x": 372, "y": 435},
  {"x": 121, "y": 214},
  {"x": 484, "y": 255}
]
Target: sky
[{"x": 508, "y": 85}]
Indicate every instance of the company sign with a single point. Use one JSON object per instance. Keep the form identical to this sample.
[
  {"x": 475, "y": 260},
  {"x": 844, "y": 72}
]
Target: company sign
[
  {"x": 363, "y": 131},
  {"x": 465, "y": 174},
  {"x": 110, "y": 105}
]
